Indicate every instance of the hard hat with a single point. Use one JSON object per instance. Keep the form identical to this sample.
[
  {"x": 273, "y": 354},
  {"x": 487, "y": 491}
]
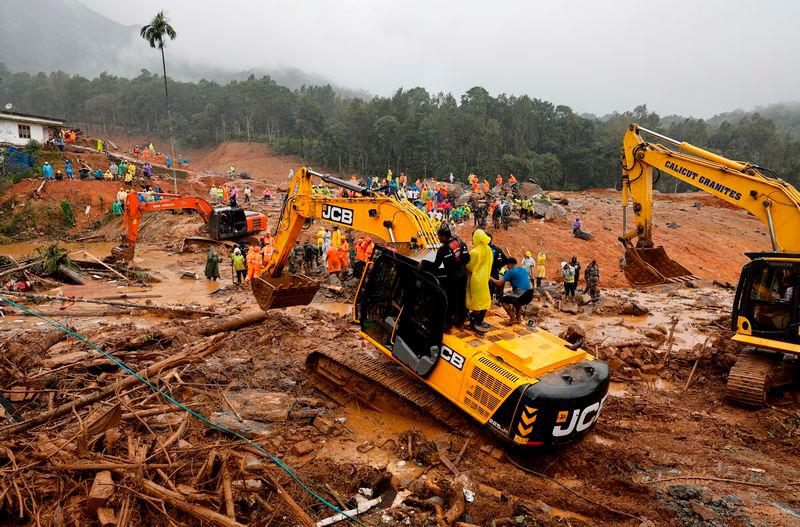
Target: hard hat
[
  {"x": 237, "y": 251},
  {"x": 563, "y": 264},
  {"x": 528, "y": 254}
]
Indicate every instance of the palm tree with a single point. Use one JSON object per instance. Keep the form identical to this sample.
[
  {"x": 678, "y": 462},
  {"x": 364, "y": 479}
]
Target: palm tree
[{"x": 155, "y": 33}]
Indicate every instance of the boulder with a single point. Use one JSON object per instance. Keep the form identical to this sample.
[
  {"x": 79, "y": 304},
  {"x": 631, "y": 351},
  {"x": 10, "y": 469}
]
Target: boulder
[
  {"x": 556, "y": 212},
  {"x": 302, "y": 448},
  {"x": 527, "y": 188},
  {"x": 259, "y": 405},
  {"x": 572, "y": 309},
  {"x": 573, "y": 333}
]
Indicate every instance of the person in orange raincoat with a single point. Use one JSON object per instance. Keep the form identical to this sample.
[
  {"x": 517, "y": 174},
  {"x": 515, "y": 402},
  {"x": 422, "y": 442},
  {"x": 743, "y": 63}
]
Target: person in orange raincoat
[
  {"x": 266, "y": 251},
  {"x": 511, "y": 179},
  {"x": 334, "y": 260},
  {"x": 499, "y": 179},
  {"x": 485, "y": 186},
  {"x": 253, "y": 263},
  {"x": 344, "y": 254},
  {"x": 226, "y": 194}
]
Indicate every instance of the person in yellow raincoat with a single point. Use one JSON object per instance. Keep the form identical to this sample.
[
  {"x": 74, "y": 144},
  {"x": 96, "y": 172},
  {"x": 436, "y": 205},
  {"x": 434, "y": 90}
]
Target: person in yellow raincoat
[
  {"x": 336, "y": 237},
  {"x": 479, "y": 267},
  {"x": 541, "y": 270}
]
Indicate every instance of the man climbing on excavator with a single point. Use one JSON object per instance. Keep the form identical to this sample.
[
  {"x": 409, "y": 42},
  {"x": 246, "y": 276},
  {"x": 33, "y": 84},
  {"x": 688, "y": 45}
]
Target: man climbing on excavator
[{"x": 453, "y": 255}]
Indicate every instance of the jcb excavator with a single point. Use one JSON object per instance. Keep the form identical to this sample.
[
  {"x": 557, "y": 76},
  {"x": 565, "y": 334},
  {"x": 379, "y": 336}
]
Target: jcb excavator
[
  {"x": 222, "y": 223},
  {"x": 766, "y": 310},
  {"x": 523, "y": 383}
]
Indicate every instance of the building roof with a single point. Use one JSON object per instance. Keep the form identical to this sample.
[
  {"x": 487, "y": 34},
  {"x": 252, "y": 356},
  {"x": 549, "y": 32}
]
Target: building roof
[{"x": 30, "y": 118}]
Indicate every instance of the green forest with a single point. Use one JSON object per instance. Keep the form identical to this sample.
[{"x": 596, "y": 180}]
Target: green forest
[{"x": 414, "y": 131}]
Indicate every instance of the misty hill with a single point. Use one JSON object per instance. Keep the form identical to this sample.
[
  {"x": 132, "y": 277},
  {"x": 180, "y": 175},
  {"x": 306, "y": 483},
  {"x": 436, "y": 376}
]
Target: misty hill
[{"x": 65, "y": 35}]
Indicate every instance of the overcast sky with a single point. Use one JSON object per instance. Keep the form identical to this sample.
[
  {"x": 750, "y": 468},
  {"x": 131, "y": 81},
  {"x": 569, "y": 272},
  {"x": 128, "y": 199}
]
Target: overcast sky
[{"x": 691, "y": 57}]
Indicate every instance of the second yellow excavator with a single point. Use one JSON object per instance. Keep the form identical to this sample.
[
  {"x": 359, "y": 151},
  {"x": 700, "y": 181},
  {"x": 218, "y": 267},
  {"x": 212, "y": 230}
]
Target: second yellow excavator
[
  {"x": 526, "y": 385},
  {"x": 766, "y": 310}
]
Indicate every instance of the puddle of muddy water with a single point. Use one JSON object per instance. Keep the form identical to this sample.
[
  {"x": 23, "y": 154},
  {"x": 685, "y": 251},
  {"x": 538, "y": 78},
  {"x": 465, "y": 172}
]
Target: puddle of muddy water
[{"x": 342, "y": 309}]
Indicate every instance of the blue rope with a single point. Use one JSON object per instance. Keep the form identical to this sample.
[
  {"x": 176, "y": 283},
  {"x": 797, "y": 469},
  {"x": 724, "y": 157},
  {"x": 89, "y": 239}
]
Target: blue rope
[{"x": 124, "y": 367}]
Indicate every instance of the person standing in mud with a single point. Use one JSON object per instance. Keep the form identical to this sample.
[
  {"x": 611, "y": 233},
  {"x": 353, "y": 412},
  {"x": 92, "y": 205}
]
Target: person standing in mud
[
  {"x": 295, "y": 257},
  {"x": 212, "y": 264},
  {"x": 238, "y": 264},
  {"x": 309, "y": 256},
  {"x": 592, "y": 274}
]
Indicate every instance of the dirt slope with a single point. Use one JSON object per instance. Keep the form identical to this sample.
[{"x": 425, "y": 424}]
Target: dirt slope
[
  {"x": 257, "y": 159},
  {"x": 710, "y": 239}
]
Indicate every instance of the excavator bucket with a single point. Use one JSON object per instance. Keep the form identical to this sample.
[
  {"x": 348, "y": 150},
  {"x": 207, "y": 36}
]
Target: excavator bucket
[
  {"x": 286, "y": 291},
  {"x": 653, "y": 266}
]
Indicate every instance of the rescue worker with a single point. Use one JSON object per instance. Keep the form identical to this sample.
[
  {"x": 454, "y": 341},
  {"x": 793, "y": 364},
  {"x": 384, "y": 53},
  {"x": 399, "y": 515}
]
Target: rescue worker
[
  {"x": 344, "y": 255},
  {"x": 309, "y": 255},
  {"x": 568, "y": 274},
  {"x": 114, "y": 169},
  {"x": 99, "y": 145},
  {"x": 361, "y": 257},
  {"x": 326, "y": 244},
  {"x": 541, "y": 269},
  {"x": 479, "y": 267},
  {"x": 47, "y": 170},
  {"x": 452, "y": 254},
  {"x": 576, "y": 266},
  {"x": 130, "y": 173},
  {"x": 238, "y": 264},
  {"x": 485, "y": 186},
  {"x": 334, "y": 261},
  {"x": 521, "y": 292},
  {"x": 592, "y": 277},
  {"x": 296, "y": 257},
  {"x": 253, "y": 263},
  {"x": 212, "y": 264},
  {"x": 498, "y": 261},
  {"x": 320, "y": 240},
  {"x": 68, "y": 168},
  {"x": 530, "y": 265},
  {"x": 266, "y": 251},
  {"x": 336, "y": 237}
]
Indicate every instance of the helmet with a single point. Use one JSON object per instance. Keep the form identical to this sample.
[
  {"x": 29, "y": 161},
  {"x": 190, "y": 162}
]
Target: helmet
[{"x": 528, "y": 254}]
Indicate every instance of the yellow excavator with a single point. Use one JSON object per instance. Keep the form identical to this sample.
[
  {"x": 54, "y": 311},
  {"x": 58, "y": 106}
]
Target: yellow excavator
[
  {"x": 526, "y": 385},
  {"x": 766, "y": 310}
]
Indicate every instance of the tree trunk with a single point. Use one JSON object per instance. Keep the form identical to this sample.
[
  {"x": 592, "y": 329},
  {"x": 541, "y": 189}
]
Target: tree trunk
[{"x": 169, "y": 122}]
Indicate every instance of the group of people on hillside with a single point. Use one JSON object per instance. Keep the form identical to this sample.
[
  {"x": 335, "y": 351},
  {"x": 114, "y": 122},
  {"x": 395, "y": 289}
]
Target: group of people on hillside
[
  {"x": 228, "y": 194},
  {"x": 124, "y": 171}
]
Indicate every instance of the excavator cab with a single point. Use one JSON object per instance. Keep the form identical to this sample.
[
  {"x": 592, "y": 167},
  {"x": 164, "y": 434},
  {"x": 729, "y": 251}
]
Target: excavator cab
[
  {"x": 226, "y": 223},
  {"x": 766, "y": 318},
  {"x": 403, "y": 308},
  {"x": 767, "y": 302}
]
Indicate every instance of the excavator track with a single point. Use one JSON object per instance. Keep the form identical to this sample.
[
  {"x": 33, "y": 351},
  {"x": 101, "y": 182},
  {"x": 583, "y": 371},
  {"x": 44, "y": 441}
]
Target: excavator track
[
  {"x": 347, "y": 373},
  {"x": 749, "y": 379},
  {"x": 755, "y": 374}
]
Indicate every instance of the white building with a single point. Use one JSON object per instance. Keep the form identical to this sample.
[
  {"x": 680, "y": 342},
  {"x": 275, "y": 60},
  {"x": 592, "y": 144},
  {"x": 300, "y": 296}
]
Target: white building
[{"x": 18, "y": 128}]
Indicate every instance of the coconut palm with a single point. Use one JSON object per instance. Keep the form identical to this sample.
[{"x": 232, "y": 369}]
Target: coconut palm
[{"x": 158, "y": 30}]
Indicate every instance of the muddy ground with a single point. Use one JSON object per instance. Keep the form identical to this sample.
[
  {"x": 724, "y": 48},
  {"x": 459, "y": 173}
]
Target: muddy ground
[{"x": 664, "y": 451}]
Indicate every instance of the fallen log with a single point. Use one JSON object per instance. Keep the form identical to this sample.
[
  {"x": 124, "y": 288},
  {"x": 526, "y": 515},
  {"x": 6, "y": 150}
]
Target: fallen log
[
  {"x": 72, "y": 274},
  {"x": 232, "y": 323},
  {"x": 205, "y": 514},
  {"x": 154, "y": 372},
  {"x": 114, "y": 303},
  {"x": 22, "y": 267}
]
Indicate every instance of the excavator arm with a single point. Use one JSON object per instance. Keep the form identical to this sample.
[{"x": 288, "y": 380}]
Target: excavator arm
[
  {"x": 772, "y": 200},
  {"x": 385, "y": 217}
]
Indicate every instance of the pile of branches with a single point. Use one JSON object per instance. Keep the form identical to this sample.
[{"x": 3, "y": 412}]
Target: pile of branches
[{"x": 85, "y": 442}]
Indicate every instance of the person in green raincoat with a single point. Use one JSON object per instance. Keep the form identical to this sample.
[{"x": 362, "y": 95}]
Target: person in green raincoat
[
  {"x": 212, "y": 264},
  {"x": 116, "y": 207},
  {"x": 479, "y": 268}
]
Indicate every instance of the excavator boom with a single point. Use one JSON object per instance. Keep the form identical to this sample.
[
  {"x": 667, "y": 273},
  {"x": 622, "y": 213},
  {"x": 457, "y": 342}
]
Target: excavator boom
[
  {"x": 384, "y": 217},
  {"x": 775, "y": 202}
]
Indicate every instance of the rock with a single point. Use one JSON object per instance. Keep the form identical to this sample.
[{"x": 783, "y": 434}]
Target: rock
[
  {"x": 672, "y": 225},
  {"x": 352, "y": 283},
  {"x": 246, "y": 427},
  {"x": 572, "y": 309},
  {"x": 259, "y": 405},
  {"x": 614, "y": 363},
  {"x": 654, "y": 334},
  {"x": 497, "y": 454},
  {"x": 649, "y": 368},
  {"x": 573, "y": 333},
  {"x": 584, "y": 299},
  {"x": 690, "y": 285},
  {"x": 632, "y": 308},
  {"x": 323, "y": 424},
  {"x": 556, "y": 212},
  {"x": 334, "y": 281},
  {"x": 527, "y": 188},
  {"x": 302, "y": 448}
]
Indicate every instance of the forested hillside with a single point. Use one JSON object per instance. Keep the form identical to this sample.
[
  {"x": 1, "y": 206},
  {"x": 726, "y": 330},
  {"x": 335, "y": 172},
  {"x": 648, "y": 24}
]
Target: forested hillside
[{"x": 414, "y": 131}]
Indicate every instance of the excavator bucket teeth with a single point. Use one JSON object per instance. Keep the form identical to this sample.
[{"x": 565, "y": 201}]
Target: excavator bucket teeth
[
  {"x": 653, "y": 266},
  {"x": 286, "y": 291}
]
